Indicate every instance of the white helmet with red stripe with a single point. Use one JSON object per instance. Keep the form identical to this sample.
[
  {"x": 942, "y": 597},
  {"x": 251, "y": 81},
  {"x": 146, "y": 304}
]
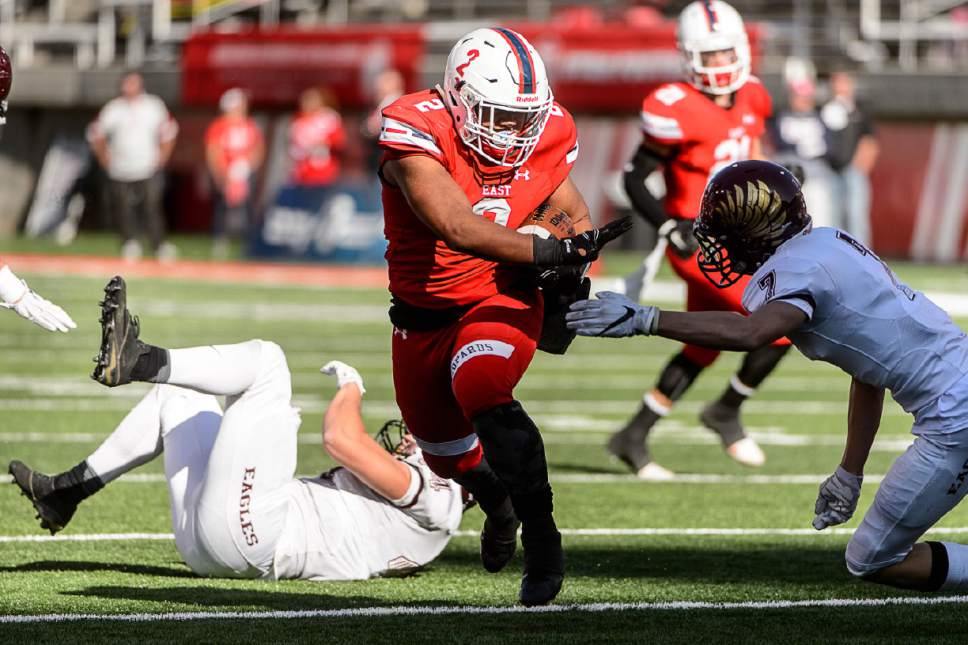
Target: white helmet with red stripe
[
  {"x": 708, "y": 26},
  {"x": 498, "y": 94}
]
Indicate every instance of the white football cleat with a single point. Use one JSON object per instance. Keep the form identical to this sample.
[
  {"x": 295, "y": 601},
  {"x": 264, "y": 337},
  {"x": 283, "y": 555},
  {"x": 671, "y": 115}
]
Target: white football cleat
[
  {"x": 653, "y": 472},
  {"x": 746, "y": 452}
]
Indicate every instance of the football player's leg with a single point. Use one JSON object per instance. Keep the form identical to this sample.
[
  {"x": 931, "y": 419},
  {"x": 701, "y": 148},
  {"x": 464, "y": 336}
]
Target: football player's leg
[
  {"x": 926, "y": 482},
  {"x": 421, "y": 377},
  {"x": 189, "y": 425},
  {"x": 492, "y": 350},
  {"x": 630, "y": 444},
  {"x": 241, "y": 508},
  {"x": 135, "y": 441},
  {"x": 723, "y": 415}
]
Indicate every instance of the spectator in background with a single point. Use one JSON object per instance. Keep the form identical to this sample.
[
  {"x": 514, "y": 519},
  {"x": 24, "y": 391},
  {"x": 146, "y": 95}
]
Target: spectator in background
[
  {"x": 851, "y": 152},
  {"x": 387, "y": 88},
  {"x": 799, "y": 136},
  {"x": 316, "y": 138},
  {"x": 234, "y": 151},
  {"x": 132, "y": 139}
]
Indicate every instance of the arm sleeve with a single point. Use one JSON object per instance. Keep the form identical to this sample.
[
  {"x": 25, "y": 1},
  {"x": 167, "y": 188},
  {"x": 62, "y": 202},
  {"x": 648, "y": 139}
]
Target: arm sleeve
[
  {"x": 643, "y": 162},
  {"x": 805, "y": 284},
  {"x": 430, "y": 501},
  {"x": 404, "y": 132}
]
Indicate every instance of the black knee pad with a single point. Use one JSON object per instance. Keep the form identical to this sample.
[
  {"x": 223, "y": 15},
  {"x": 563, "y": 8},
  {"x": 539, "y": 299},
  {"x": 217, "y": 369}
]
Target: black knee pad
[
  {"x": 483, "y": 483},
  {"x": 514, "y": 449},
  {"x": 758, "y": 364},
  {"x": 677, "y": 376}
]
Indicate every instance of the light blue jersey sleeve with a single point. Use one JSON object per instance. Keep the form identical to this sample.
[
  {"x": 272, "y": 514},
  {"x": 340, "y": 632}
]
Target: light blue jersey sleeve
[{"x": 801, "y": 283}]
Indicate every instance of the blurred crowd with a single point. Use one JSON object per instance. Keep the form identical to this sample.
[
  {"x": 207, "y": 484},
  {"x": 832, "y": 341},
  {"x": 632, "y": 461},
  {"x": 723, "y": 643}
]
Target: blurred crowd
[
  {"x": 835, "y": 145},
  {"x": 133, "y": 136},
  {"x": 820, "y": 128}
]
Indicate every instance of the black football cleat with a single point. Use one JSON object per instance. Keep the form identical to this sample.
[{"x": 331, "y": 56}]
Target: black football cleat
[
  {"x": 54, "y": 509},
  {"x": 630, "y": 450},
  {"x": 544, "y": 569},
  {"x": 725, "y": 422},
  {"x": 120, "y": 347},
  {"x": 498, "y": 543}
]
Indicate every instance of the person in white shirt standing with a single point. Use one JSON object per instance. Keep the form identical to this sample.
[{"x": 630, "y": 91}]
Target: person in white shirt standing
[{"x": 132, "y": 138}]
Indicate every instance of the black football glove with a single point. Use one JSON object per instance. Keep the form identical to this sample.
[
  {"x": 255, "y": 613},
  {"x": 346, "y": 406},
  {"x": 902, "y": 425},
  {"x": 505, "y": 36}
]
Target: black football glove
[
  {"x": 680, "y": 236},
  {"x": 580, "y": 249}
]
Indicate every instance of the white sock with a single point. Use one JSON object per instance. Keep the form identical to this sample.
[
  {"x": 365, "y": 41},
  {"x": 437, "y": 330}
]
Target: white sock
[
  {"x": 957, "y": 579},
  {"x": 216, "y": 369},
  {"x": 136, "y": 441}
]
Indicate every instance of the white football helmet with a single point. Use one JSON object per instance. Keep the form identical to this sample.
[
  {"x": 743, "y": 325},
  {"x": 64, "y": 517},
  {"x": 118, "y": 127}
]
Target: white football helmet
[
  {"x": 497, "y": 91},
  {"x": 711, "y": 26}
]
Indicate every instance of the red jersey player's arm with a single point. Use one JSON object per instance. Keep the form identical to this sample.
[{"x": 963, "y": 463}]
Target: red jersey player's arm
[
  {"x": 569, "y": 199},
  {"x": 756, "y": 149},
  {"x": 439, "y": 202}
]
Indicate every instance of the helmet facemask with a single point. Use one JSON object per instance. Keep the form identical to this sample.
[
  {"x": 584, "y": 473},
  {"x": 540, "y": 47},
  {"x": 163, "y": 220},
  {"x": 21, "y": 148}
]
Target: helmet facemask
[
  {"x": 743, "y": 219},
  {"x": 719, "y": 79},
  {"x": 501, "y": 134}
]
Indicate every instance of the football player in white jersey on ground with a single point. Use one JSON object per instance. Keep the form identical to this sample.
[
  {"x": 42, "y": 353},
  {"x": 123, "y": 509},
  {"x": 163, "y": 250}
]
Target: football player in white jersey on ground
[
  {"x": 838, "y": 302},
  {"x": 237, "y": 510}
]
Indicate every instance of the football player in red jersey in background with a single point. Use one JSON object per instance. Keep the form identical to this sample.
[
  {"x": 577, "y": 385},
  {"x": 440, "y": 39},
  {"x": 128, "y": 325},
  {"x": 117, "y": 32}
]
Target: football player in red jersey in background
[
  {"x": 691, "y": 130},
  {"x": 14, "y": 292},
  {"x": 316, "y": 139},
  {"x": 464, "y": 165}
]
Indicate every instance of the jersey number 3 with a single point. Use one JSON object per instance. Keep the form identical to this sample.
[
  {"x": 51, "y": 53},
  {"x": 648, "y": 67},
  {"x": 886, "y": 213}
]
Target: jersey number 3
[{"x": 496, "y": 209}]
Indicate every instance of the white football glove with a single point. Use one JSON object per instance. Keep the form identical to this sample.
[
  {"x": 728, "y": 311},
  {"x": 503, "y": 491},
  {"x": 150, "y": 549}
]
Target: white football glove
[
  {"x": 16, "y": 295},
  {"x": 344, "y": 374},
  {"x": 837, "y": 499}
]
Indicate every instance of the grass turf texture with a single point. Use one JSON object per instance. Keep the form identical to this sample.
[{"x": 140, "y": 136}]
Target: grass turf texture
[{"x": 54, "y": 416}]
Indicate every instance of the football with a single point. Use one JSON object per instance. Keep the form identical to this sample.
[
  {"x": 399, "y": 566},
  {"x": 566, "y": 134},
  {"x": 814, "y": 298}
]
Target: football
[{"x": 547, "y": 220}]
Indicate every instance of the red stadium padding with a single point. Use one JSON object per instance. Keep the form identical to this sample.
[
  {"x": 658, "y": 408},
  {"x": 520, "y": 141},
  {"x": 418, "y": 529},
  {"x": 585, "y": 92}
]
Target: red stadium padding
[{"x": 275, "y": 66}]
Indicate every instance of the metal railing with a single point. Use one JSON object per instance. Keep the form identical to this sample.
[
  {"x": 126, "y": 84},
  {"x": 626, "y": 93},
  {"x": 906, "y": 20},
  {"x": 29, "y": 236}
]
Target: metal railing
[{"x": 905, "y": 31}]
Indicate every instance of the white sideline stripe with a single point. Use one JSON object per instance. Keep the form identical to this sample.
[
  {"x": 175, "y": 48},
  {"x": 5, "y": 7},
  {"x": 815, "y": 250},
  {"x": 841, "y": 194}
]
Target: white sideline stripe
[
  {"x": 464, "y": 610},
  {"x": 591, "y": 478},
  {"x": 586, "y": 532}
]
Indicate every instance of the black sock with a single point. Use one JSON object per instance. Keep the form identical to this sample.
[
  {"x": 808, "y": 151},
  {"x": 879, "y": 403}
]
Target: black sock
[
  {"x": 514, "y": 449},
  {"x": 757, "y": 365},
  {"x": 152, "y": 366},
  {"x": 488, "y": 491},
  {"x": 78, "y": 483},
  {"x": 676, "y": 378}
]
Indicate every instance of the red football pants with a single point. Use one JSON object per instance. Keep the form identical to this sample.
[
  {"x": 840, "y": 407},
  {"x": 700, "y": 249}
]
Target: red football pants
[
  {"x": 444, "y": 378},
  {"x": 703, "y": 295}
]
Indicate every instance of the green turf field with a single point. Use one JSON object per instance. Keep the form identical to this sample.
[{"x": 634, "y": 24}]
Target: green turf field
[{"x": 53, "y": 416}]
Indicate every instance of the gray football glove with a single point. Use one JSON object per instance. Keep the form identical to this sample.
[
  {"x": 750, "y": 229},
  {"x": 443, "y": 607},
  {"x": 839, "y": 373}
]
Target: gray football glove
[
  {"x": 612, "y": 315},
  {"x": 837, "y": 499}
]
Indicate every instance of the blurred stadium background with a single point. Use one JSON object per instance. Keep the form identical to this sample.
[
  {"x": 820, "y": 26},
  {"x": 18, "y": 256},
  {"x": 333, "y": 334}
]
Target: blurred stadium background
[
  {"x": 910, "y": 59},
  {"x": 717, "y": 534}
]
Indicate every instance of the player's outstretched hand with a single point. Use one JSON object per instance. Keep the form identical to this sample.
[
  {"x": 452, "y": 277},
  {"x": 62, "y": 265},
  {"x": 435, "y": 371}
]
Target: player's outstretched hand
[
  {"x": 582, "y": 248},
  {"x": 612, "y": 315},
  {"x": 344, "y": 374},
  {"x": 17, "y": 295},
  {"x": 837, "y": 499}
]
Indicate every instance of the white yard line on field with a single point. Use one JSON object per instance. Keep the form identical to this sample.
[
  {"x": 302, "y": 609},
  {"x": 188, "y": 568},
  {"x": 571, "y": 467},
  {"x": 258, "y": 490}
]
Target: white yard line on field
[
  {"x": 581, "y": 532},
  {"x": 593, "y": 478},
  {"x": 386, "y": 407},
  {"x": 465, "y": 610}
]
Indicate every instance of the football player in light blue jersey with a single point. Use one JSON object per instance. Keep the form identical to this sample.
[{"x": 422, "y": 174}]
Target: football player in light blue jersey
[{"x": 837, "y": 302}]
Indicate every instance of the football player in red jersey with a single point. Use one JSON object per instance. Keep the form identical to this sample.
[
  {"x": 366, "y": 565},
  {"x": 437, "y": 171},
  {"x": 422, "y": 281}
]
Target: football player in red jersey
[
  {"x": 14, "y": 292},
  {"x": 464, "y": 165},
  {"x": 691, "y": 130}
]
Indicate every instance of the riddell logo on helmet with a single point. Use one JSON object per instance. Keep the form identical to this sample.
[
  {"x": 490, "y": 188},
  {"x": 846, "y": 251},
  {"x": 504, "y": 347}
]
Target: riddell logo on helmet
[{"x": 527, "y": 99}]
